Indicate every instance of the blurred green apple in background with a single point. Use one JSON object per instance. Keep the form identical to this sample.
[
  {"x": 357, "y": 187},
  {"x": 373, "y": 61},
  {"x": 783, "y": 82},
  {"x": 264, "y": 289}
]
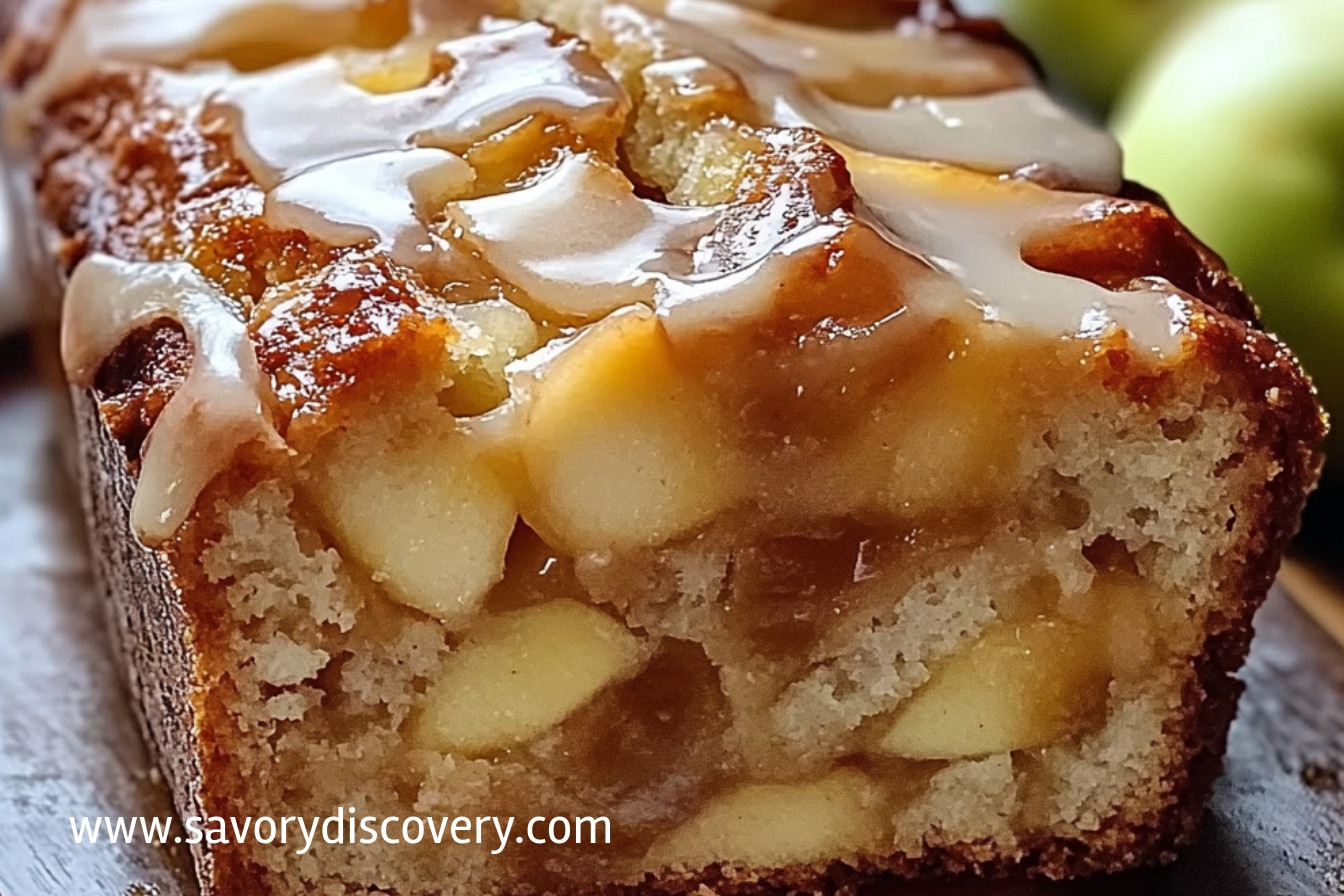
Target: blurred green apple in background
[
  {"x": 1088, "y": 47},
  {"x": 1238, "y": 119}
]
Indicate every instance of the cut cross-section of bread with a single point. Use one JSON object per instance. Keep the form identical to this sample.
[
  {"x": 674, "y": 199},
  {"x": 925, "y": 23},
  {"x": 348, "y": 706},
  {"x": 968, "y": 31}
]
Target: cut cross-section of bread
[{"x": 788, "y": 451}]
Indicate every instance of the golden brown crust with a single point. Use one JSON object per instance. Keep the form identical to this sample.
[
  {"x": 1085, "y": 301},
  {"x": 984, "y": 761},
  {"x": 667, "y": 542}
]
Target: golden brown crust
[
  {"x": 150, "y": 623},
  {"x": 1137, "y": 239}
]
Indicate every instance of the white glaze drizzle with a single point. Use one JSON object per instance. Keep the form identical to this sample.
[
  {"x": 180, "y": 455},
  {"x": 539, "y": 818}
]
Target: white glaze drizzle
[
  {"x": 724, "y": 298},
  {"x": 969, "y": 227},
  {"x": 1020, "y": 129},
  {"x": 218, "y": 407},
  {"x": 348, "y": 165},
  {"x": 384, "y": 196},
  {"x": 829, "y": 57},
  {"x": 621, "y": 253},
  {"x": 974, "y": 229},
  {"x": 498, "y": 79},
  {"x": 628, "y": 251}
]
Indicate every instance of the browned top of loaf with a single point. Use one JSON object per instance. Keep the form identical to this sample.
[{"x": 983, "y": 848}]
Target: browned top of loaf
[{"x": 122, "y": 171}]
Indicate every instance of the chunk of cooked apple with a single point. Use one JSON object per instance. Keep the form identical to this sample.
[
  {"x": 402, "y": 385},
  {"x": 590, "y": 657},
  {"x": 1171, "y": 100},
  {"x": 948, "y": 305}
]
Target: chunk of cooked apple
[
  {"x": 947, "y": 439},
  {"x": 405, "y": 66},
  {"x": 619, "y": 447},
  {"x": 943, "y": 434},
  {"x": 422, "y": 511},
  {"x": 774, "y": 825},
  {"x": 1018, "y": 687},
  {"x": 492, "y": 334},
  {"x": 520, "y": 674}
]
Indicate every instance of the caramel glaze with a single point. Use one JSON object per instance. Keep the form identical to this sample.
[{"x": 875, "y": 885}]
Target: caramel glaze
[{"x": 344, "y": 223}]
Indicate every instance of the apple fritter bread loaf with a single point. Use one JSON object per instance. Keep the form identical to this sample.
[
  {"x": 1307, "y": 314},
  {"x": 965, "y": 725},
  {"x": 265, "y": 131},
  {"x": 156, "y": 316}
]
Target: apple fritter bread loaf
[{"x": 775, "y": 428}]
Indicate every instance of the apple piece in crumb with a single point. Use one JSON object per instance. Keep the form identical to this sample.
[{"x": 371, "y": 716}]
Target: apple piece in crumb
[
  {"x": 777, "y": 825},
  {"x": 949, "y": 439},
  {"x": 1018, "y": 687},
  {"x": 520, "y": 674},
  {"x": 1134, "y": 634},
  {"x": 619, "y": 448},
  {"x": 428, "y": 516},
  {"x": 492, "y": 334}
]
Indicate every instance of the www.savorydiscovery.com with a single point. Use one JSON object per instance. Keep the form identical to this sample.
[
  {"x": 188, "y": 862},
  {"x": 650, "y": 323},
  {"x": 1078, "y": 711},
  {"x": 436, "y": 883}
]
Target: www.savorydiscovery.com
[{"x": 303, "y": 832}]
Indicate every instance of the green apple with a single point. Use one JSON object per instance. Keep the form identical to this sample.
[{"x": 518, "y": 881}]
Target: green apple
[
  {"x": 1239, "y": 120},
  {"x": 1088, "y": 47}
]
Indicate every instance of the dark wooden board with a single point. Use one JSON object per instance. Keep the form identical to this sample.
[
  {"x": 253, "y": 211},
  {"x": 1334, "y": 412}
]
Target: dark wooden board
[{"x": 69, "y": 745}]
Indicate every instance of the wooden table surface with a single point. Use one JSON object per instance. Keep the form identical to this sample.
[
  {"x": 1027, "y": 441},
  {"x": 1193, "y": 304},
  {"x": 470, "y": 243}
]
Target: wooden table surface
[{"x": 69, "y": 747}]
